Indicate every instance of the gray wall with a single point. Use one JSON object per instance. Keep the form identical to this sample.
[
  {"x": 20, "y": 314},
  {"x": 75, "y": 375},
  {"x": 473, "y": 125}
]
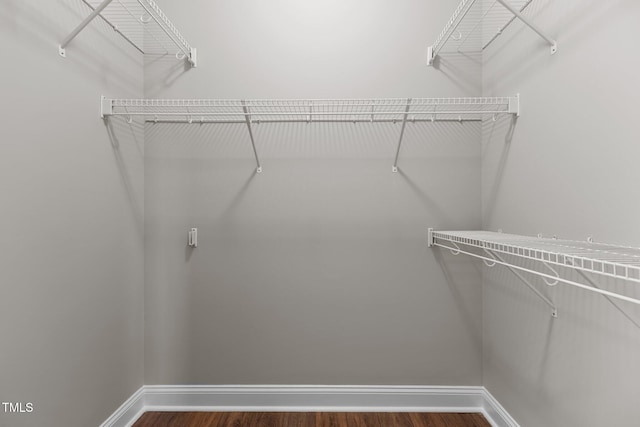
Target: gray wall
[
  {"x": 315, "y": 271},
  {"x": 570, "y": 170},
  {"x": 71, "y": 276}
]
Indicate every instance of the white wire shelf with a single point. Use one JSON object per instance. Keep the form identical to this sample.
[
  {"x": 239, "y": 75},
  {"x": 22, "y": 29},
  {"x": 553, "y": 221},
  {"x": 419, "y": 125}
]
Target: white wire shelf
[
  {"x": 311, "y": 110},
  {"x": 475, "y": 24},
  {"x": 618, "y": 262},
  {"x": 142, "y": 24},
  {"x": 255, "y": 111}
]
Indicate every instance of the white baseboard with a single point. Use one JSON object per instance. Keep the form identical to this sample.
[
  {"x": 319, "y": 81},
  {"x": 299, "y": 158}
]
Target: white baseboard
[
  {"x": 128, "y": 412},
  {"x": 290, "y": 398},
  {"x": 495, "y": 413},
  {"x": 314, "y": 398}
]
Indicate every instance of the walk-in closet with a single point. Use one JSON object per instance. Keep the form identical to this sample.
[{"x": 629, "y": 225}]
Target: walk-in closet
[{"x": 308, "y": 213}]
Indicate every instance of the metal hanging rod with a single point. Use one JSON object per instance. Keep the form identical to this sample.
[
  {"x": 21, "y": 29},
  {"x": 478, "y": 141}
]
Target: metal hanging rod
[
  {"x": 142, "y": 24},
  {"x": 475, "y": 24},
  {"x": 318, "y": 113},
  {"x": 203, "y": 120},
  {"x": 618, "y": 262}
]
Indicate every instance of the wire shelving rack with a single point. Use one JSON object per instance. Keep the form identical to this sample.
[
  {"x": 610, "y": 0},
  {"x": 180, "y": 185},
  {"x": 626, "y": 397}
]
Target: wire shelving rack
[
  {"x": 256, "y": 111},
  {"x": 475, "y": 24},
  {"x": 618, "y": 262},
  {"x": 141, "y": 23},
  {"x": 311, "y": 110}
]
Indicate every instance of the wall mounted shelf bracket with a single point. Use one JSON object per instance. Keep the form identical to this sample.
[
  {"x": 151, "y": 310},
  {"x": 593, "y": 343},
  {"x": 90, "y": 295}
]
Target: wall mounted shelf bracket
[
  {"x": 404, "y": 125},
  {"x": 247, "y": 116},
  {"x": 554, "y": 310},
  {"x": 193, "y": 238},
  {"x": 106, "y": 107}
]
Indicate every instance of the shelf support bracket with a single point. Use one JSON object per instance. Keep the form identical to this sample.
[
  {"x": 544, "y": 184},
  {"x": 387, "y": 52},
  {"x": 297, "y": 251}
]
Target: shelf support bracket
[
  {"x": 106, "y": 107},
  {"x": 247, "y": 117},
  {"x": 193, "y": 238},
  {"x": 528, "y": 23},
  {"x": 81, "y": 26},
  {"x": 514, "y": 105},
  {"x": 193, "y": 57},
  {"x": 404, "y": 125},
  {"x": 554, "y": 310},
  {"x": 431, "y": 56},
  {"x": 494, "y": 258},
  {"x": 611, "y": 301},
  {"x": 429, "y": 237}
]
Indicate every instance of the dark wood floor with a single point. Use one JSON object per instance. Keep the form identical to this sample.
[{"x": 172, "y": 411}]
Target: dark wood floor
[{"x": 308, "y": 419}]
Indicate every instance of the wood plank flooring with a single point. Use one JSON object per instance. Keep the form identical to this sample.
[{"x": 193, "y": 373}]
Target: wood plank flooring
[{"x": 309, "y": 419}]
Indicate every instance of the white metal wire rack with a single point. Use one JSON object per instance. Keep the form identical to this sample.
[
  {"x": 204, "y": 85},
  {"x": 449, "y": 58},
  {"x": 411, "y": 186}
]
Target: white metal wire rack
[
  {"x": 311, "y": 110},
  {"x": 618, "y": 262},
  {"x": 142, "y": 24},
  {"x": 475, "y": 24},
  {"x": 255, "y": 111}
]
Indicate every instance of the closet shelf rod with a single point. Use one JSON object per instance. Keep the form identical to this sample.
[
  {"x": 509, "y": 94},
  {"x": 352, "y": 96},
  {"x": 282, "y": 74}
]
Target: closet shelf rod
[
  {"x": 197, "y": 120},
  {"x": 318, "y": 113}
]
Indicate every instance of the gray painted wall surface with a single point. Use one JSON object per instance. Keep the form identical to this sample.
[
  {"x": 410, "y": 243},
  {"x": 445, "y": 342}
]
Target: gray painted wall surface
[
  {"x": 71, "y": 276},
  {"x": 570, "y": 170},
  {"x": 315, "y": 271}
]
